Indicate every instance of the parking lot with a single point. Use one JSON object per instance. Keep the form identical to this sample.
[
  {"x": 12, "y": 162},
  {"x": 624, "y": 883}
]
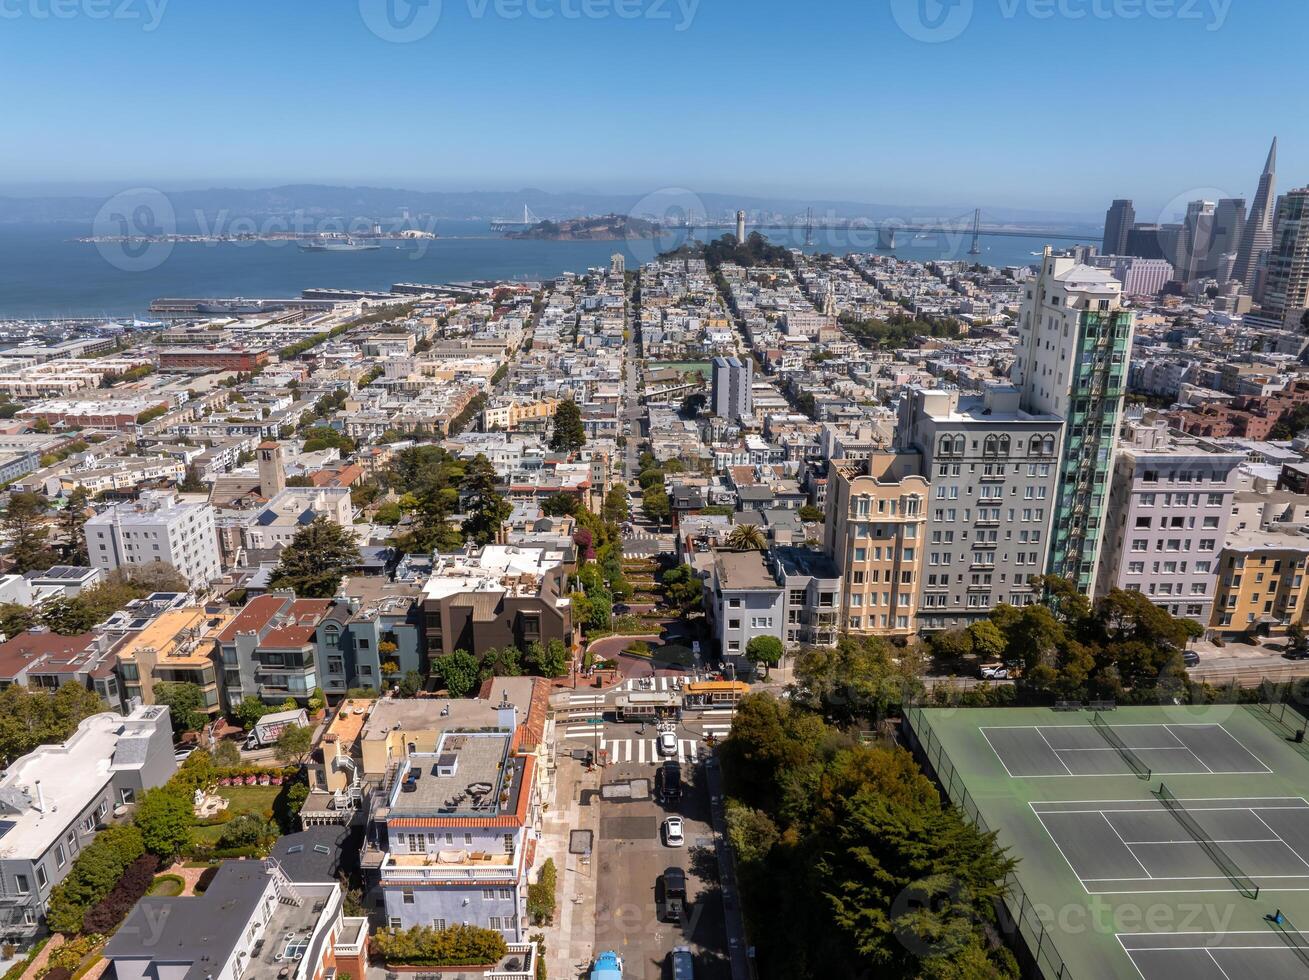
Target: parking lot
[{"x": 630, "y": 855}]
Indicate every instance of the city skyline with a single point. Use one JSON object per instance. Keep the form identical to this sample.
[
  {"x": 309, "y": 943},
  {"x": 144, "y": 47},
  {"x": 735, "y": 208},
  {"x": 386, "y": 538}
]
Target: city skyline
[{"x": 265, "y": 96}]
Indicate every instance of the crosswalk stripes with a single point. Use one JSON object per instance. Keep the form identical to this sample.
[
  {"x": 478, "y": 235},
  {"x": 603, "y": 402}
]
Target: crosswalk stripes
[
  {"x": 660, "y": 684},
  {"x": 643, "y": 750}
]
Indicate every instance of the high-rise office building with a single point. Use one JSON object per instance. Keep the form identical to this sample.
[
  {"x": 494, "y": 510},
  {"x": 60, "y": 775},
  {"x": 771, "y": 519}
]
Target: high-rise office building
[
  {"x": 1143, "y": 243},
  {"x": 1229, "y": 226},
  {"x": 1073, "y": 346},
  {"x": 731, "y": 387},
  {"x": 1118, "y": 221},
  {"x": 1286, "y": 281},
  {"x": 1191, "y": 255},
  {"x": 1257, "y": 237}
]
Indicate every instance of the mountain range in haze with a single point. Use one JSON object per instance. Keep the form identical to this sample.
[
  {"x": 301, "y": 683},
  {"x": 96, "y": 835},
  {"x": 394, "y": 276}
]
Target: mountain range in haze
[{"x": 317, "y": 201}]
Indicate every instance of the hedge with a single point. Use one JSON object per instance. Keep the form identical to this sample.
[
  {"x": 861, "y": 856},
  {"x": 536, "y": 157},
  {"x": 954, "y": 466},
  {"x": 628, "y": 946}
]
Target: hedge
[
  {"x": 541, "y": 894},
  {"x": 92, "y": 876},
  {"x": 131, "y": 888},
  {"x": 461, "y": 945},
  {"x": 205, "y": 880}
]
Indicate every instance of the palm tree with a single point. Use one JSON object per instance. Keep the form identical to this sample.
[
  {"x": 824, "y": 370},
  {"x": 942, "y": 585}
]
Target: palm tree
[{"x": 747, "y": 537}]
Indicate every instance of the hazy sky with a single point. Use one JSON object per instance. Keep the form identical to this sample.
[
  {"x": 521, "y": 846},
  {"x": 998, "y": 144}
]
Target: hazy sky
[{"x": 1058, "y": 104}]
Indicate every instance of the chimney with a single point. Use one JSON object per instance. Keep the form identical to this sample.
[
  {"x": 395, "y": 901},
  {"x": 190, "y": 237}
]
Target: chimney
[
  {"x": 506, "y": 714},
  {"x": 40, "y": 797}
]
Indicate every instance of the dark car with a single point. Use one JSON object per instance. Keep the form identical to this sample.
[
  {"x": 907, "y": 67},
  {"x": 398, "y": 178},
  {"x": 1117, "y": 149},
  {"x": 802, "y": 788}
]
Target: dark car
[
  {"x": 1190, "y": 658},
  {"x": 671, "y": 894},
  {"x": 668, "y": 781}
]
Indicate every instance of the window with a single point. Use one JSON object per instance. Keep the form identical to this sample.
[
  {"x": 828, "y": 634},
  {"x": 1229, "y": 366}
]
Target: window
[
  {"x": 22, "y": 884},
  {"x": 733, "y": 624},
  {"x": 488, "y": 894},
  {"x": 41, "y": 878},
  {"x": 733, "y": 603},
  {"x": 407, "y": 896},
  {"x": 393, "y": 922},
  {"x": 438, "y": 924},
  {"x": 61, "y": 858}
]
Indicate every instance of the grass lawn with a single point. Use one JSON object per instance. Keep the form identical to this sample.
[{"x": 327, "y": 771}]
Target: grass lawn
[
  {"x": 166, "y": 886},
  {"x": 240, "y": 799}
]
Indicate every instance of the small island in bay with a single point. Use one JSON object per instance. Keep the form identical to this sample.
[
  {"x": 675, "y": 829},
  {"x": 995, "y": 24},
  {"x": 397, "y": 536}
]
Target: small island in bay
[{"x": 598, "y": 228}]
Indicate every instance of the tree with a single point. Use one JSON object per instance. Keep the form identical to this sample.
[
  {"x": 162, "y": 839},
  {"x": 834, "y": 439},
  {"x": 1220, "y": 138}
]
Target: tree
[
  {"x": 15, "y": 619},
  {"x": 165, "y": 818},
  {"x": 766, "y": 650},
  {"x": 560, "y": 505},
  {"x": 682, "y": 587},
  {"x": 248, "y": 712},
  {"x": 655, "y": 505},
  {"x": 313, "y": 564},
  {"x": 487, "y": 509},
  {"x": 24, "y": 528},
  {"x": 226, "y": 753},
  {"x": 811, "y": 515},
  {"x": 569, "y": 434},
  {"x": 614, "y": 508},
  {"x": 38, "y": 716},
  {"x": 246, "y": 830},
  {"x": 986, "y": 639},
  {"x": 459, "y": 671},
  {"x": 550, "y": 660},
  {"x": 293, "y": 744},
  {"x": 71, "y": 520},
  {"x": 747, "y": 537},
  {"x": 185, "y": 703},
  {"x": 693, "y": 403},
  {"x": 501, "y": 662}
]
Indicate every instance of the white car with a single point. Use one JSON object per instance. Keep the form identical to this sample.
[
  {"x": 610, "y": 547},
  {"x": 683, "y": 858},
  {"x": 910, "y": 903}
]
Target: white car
[
  {"x": 181, "y": 755},
  {"x": 673, "y": 832},
  {"x": 994, "y": 672},
  {"x": 667, "y": 743}
]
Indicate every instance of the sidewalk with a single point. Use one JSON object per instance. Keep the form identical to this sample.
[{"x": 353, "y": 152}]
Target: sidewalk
[
  {"x": 571, "y": 939},
  {"x": 735, "y": 921}
]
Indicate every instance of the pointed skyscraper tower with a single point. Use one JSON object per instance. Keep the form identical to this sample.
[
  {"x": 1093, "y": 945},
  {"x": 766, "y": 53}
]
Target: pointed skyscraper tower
[{"x": 1258, "y": 235}]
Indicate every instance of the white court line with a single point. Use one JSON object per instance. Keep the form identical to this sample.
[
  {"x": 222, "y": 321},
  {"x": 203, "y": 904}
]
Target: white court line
[
  {"x": 1129, "y": 847},
  {"x": 993, "y": 749},
  {"x": 1055, "y": 842},
  {"x": 1217, "y": 964},
  {"x": 1052, "y": 749},
  {"x": 1285, "y": 842},
  {"x": 1198, "y": 799},
  {"x": 1188, "y": 748}
]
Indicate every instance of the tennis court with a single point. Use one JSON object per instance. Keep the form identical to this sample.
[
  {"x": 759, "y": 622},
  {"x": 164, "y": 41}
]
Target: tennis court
[
  {"x": 1083, "y": 750},
  {"x": 1269, "y": 954},
  {"x": 1152, "y": 842},
  {"x": 1134, "y": 846}
]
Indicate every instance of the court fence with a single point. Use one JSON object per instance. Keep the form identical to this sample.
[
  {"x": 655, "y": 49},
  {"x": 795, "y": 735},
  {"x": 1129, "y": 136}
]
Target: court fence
[{"x": 1017, "y": 916}]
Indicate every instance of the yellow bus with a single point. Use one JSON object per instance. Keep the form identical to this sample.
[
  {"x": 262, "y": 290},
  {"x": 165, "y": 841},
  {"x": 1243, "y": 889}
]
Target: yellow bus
[{"x": 699, "y": 695}]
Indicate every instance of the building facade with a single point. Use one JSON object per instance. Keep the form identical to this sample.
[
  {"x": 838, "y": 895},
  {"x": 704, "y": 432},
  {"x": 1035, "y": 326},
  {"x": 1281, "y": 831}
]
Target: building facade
[
  {"x": 1286, "y": 281},
  {"x": 1170, "y": 506},
  {"x": 1260, "y": 584},
  {"x": 875, "y": 532},
  {"x": 1071, "y": 362},
  {"x": 55, "y": 799},
  {"x": 994, "y": 472},
  {"x": 157, "y": 527},
  {"x": 731, "y": 392}
]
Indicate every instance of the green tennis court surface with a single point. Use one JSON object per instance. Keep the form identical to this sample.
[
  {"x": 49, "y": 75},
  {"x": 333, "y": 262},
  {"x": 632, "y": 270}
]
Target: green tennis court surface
[{"x": 1156, "y": 843}]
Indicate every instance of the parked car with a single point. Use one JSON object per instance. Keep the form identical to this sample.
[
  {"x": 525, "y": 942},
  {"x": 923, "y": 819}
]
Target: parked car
[
  {"x": 672, "y": 830},
  {"x": 1190, "y": 658},
  {"x": 673, "y": 888},
  {"x": 993, "y": 672},
  {"x": 181, "y": 755}
]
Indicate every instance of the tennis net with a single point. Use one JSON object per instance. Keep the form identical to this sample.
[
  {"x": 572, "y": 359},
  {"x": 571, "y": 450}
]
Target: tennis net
[
  {"x": 1230, "y": 869},
  {"x": 1295, "y": 940},
  {"x": 1131, "y": 758}
]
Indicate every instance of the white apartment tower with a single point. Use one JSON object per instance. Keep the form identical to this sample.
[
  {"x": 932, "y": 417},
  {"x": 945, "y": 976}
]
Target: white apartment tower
[{"x": 156, "y": 528}]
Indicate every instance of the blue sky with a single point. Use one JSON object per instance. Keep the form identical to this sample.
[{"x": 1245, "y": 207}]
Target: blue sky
[{"x": 1049, "y": 104}]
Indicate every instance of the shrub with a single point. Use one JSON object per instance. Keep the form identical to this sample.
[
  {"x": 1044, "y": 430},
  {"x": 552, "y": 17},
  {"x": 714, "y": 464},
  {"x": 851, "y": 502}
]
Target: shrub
[
  {"x": 57, "y": 973},
  {"x": 461, "y": 945},
  {"x": 113, "y": 908},
  {"x": 245, "y": 830},
  {"x": 541, "y": 894},
  {"x": 68, "y": 956},
  {"x": 205, "y": 880},
  {"x": 92, "y": 876}
]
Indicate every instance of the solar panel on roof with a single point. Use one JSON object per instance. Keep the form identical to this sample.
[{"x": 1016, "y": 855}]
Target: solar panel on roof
[
  {"x": 266, "y": 518},
  {"x": 306, "y": 518}
]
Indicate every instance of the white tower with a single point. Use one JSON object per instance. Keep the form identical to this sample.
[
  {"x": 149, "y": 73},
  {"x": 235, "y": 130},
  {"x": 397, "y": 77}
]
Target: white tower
[{"x": 740, "y": 226}]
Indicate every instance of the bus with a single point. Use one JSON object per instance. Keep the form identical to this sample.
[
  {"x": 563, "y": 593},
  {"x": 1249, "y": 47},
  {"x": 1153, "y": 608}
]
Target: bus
[
  {"x": 699, "y": 695},
  {"x": 648, "y": 706}
]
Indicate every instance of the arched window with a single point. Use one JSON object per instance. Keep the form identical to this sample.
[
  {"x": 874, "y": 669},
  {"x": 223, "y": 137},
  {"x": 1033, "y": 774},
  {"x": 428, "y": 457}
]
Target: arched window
[
  {"x": 991, "y": 446},
  {"x": 959, "y": 444},
  {"x": 1048, "y": 448},
  {"x": 947, "y": 446},
  {"x": 1004, "y": 445}
]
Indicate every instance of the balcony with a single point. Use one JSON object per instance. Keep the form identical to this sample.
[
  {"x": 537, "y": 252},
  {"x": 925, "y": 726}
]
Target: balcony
[{"x": 451, "y": 864}]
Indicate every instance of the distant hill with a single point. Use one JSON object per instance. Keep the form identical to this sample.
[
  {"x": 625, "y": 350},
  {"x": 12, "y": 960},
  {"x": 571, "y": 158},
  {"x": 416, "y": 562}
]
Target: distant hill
[
  {"x": 601, "y": 228},
  {"x": 196, "y": 209}
]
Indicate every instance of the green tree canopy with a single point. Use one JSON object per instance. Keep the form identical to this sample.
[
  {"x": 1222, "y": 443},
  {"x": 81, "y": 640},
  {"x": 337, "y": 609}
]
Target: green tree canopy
[
  {"x": 38, "y": 716},
  {"x": 314, "y": 563},
  {"x": 460, "y": 672},
  {"x": 487, "y": 509},
  {"x": 165, "y": 818},
  {"x": 186, "y": 704},
  {"x": 655, "y": 505},
  {"x": 568, "y": 434},
  {"x": 293, "y": 744},
  {"x": 25, "y": 529},
  {"x": 765, "y": 650}
]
